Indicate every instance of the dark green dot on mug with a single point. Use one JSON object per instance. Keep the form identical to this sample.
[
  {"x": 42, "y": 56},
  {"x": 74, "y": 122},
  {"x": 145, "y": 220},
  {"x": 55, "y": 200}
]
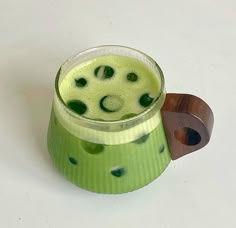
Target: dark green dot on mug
[
  {"x": 118, "y": 172},
  {"x": 162, "y": 148},
  {"x": 73, "y": 161},
  {"x": 92, "y": 148},
  {"x": 141, "y": 140}
]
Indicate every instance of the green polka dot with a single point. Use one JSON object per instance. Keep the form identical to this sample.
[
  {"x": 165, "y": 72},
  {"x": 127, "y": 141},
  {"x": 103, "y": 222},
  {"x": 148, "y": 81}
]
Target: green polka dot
[
  {"x": 162, "y": 148},
  {"x": 118, "y": 172},
  {"x": 92, "y": 148},
  {"x": 141, "y": 140},
  {"x": 73, "y": 161}
]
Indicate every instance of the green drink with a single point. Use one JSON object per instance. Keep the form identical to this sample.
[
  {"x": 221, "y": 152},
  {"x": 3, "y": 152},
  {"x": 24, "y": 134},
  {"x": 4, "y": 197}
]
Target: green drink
[
  {"x": 105, "y": 133},
  {"x": 109, "y": 88}
]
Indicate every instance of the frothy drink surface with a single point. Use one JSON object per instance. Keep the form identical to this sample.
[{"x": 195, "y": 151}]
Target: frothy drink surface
[{"x": 109, "y": 88}]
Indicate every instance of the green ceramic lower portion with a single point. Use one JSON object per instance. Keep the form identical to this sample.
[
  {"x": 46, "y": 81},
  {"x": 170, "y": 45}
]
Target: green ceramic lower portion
[{"x": 108, "y": 168}]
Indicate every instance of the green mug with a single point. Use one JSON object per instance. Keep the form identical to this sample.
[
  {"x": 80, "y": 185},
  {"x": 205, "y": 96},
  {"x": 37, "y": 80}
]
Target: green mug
[{"x": 113, "y": 129}]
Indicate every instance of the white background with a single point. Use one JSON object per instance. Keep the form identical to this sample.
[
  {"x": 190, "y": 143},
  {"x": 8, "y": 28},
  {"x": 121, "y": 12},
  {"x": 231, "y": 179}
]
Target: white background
[{"x": 195, "y": 44}]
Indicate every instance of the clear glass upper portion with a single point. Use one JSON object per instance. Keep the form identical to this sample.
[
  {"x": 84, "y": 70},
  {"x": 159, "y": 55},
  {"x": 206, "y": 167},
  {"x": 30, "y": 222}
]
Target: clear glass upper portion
[{"x": 97, "y": 130}]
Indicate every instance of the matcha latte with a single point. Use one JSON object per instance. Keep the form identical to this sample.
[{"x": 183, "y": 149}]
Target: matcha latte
[
  {"x": 109, "y": 88},
  {"x": 105, "y": 133}
]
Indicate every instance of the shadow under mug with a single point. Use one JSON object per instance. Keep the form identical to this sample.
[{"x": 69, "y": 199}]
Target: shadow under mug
[{"x": 125, "y": 155}]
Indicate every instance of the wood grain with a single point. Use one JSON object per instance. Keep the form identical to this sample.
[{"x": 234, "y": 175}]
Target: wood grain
[{"x": 188, "y": 123}]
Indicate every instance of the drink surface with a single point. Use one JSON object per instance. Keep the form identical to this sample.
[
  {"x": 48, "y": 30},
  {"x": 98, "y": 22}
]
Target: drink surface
[{"x": 109, "y": 88}]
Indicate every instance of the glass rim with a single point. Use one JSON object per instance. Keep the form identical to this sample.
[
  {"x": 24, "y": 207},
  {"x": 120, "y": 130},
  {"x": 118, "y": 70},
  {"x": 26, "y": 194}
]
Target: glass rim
[{"x": 157, "y": 104}]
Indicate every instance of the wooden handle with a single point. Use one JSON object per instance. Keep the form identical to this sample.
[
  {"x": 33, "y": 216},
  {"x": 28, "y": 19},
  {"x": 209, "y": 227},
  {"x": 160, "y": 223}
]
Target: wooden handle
[{"x": 188, "y": 123}]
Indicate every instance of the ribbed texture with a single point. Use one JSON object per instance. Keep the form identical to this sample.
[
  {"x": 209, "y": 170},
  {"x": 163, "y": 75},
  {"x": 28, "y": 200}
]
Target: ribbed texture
[{"x": 141, "y": 162}]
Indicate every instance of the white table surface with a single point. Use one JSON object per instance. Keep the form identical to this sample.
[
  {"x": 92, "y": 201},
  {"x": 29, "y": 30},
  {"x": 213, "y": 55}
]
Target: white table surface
[{"x": 195, "y": 44}]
